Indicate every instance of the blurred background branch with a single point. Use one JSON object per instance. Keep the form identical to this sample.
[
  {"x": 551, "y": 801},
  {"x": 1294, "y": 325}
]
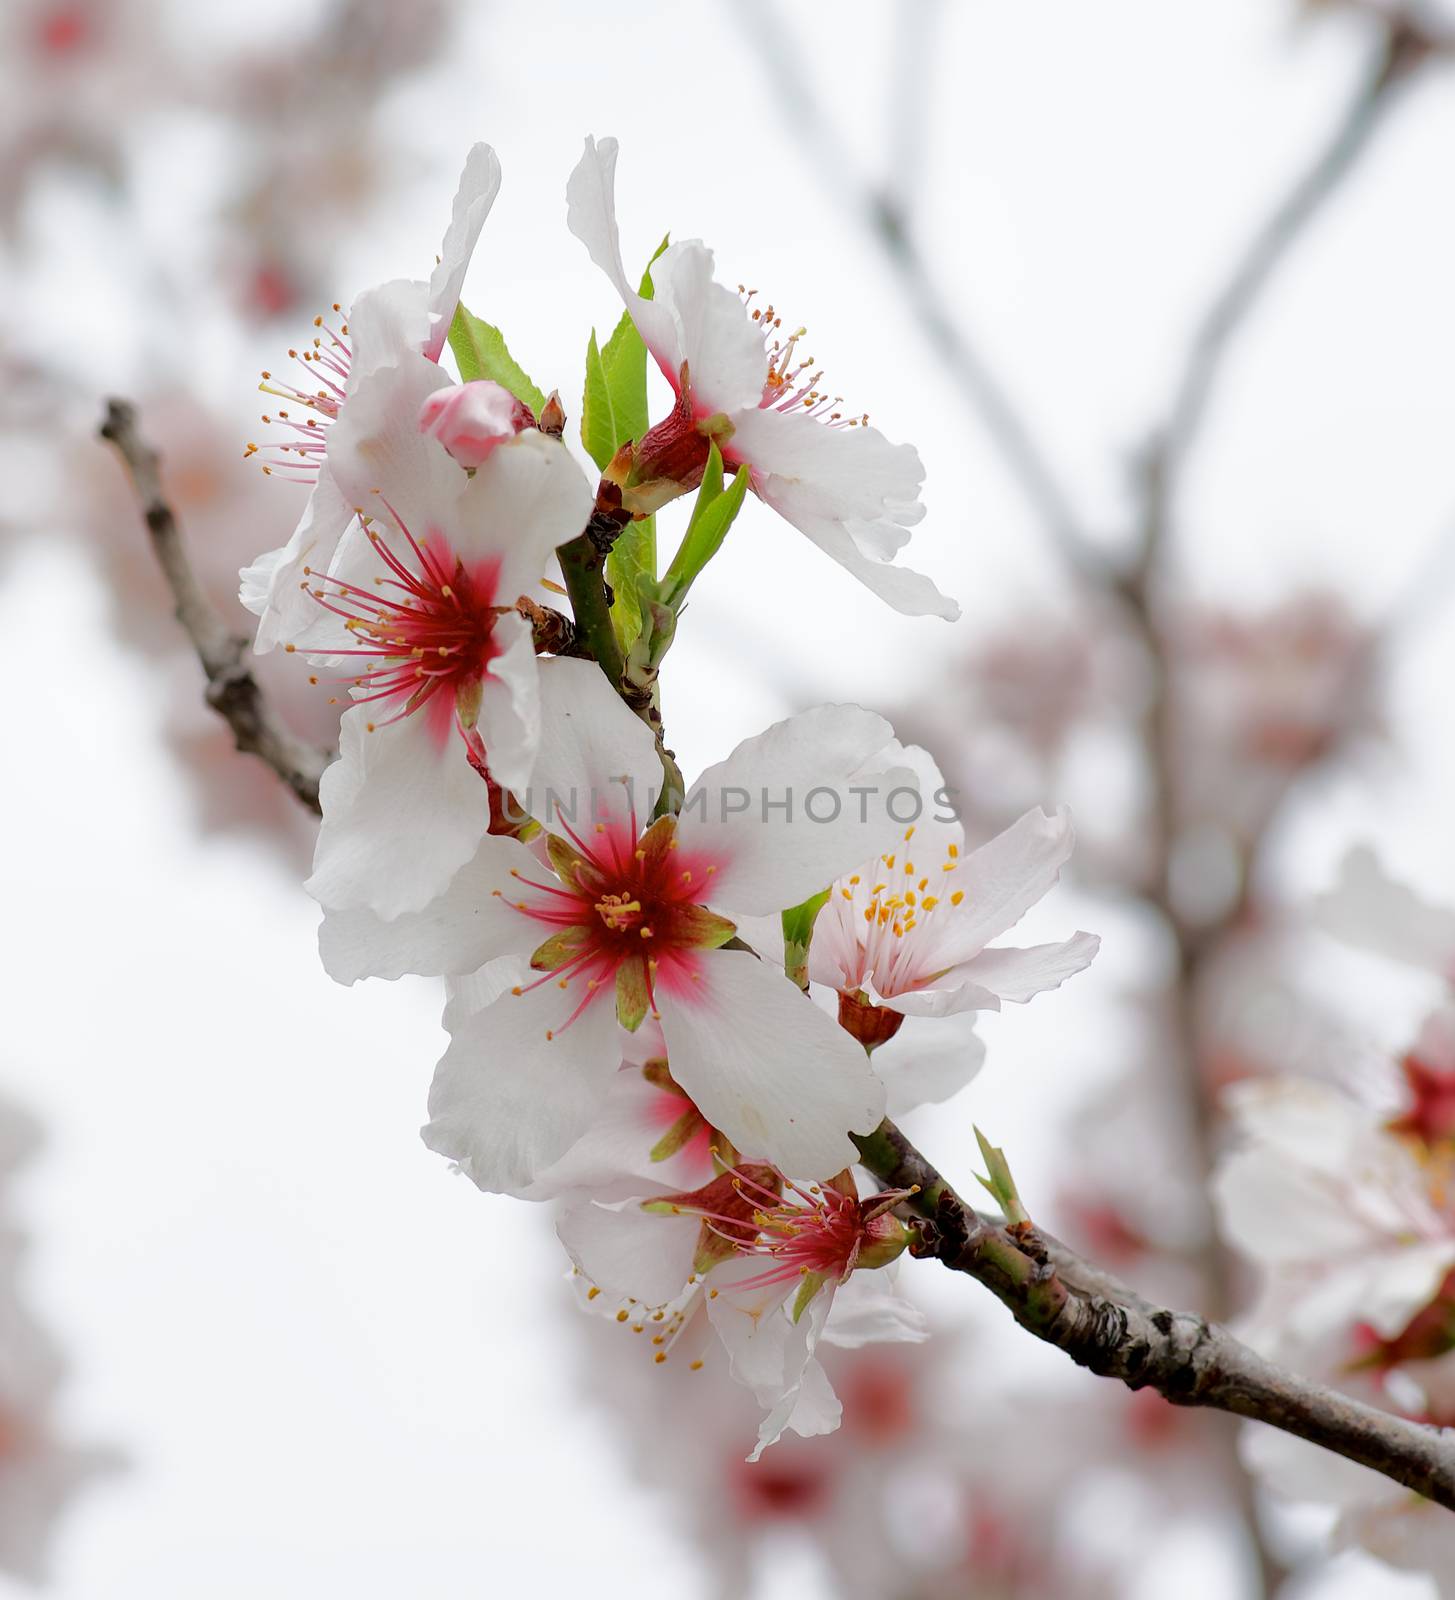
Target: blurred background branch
[{"x": 232, "y": 691}]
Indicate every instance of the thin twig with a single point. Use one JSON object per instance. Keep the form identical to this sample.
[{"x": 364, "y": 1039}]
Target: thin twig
[
  {"x": 984, "y": 390},
  {"x": 232, "y": 691},
  {"x": 1112, "y": 1331},
  {"x": 1404, "y": 46}
]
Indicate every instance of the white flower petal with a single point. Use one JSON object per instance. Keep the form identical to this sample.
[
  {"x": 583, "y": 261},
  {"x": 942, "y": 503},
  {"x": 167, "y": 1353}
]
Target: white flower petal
[
  {"x": 272, "y": 587},
  {"x": 809, "y": 1409},
  {"x": 927, "y": 1067},
  {"x": 770, "y": 1354},
  {"x": 510, "y": 705},
  {"x": 479, "y": 185},
  {"x": 401, "y": 814},
  {"x": 853, "y": 476},
  {"x": 464, "y": 929},
  {"x": 528, "y": 497},
  {"x": 757, "y": 814},
  {"x": 953, "y": 996},
  {"x": 869, "y": 1309},
  {"x": 751, "y": 1324},
  {"x": 1003, "y": 879},
  {"x": 631, "y": 1253},
  {"x": 591, "y": 216},
  {"x": 387, "y": 325},
  {"x": 377, "y": 453},
  {"x": 476, "y": 990},
  {"x": 597, "y": 763},
  {"x": 507, "y": 1101},
  {"x": 761, "y": 1062},
  {"x": 613, "y": 1158},
  {"x": 719, "y": 341},
  {"x": 910, "y": 593},
  {"x": 1018, "y": 974}
]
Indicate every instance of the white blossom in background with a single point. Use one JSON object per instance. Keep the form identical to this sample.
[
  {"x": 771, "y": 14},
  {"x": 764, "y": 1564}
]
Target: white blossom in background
[
  {"x": 280, "y": 216},
  {"x": 1370, "y": 910},
  {"x": 1263, "y": 697},
  {"x": 1348, "y": 1212},
  {"x": 72, "y": 74},
  {"x": 740, "y": 381}
]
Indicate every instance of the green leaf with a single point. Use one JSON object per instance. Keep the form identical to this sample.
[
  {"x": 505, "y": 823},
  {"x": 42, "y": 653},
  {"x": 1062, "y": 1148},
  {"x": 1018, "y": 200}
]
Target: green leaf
[
  {"x": 614, "y": 413},
  {"x": 480, "y": 352},
  {"x": 1000, "y": 1184},
  {"x": 712, "y": 516},
  {"x": 797, "y": 932},
  {"x": 598, "y": 416}
]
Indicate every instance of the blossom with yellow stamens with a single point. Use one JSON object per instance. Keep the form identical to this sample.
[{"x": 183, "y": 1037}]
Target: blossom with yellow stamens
[{"x": 910, "y": 931}]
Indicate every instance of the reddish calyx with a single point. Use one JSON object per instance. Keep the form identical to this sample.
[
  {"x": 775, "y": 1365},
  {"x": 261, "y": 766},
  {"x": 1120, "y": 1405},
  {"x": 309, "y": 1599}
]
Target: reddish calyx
[
  {"x": 871, "y": 1025},
  {"x": 814, "y": 1235}
]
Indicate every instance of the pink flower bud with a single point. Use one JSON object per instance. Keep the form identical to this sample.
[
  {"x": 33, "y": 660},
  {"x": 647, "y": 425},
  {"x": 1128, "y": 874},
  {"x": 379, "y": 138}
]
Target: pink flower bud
[{"x": 470, "y": 419}]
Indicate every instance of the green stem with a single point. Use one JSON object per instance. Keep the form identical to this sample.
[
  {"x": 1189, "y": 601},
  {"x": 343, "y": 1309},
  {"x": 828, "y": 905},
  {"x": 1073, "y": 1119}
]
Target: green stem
[
  {"x": 583, "y": 561},
  {"x": 583, "y": 566}
]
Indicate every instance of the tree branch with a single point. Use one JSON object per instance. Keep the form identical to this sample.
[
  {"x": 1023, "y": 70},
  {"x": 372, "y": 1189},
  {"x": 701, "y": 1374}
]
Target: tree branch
[
  {"x": 1111, "y": 1330},
  {"x": 881, "y": 211},
  {"x": 232, "y": 691},
  {"x": 1405, "y": 45}
]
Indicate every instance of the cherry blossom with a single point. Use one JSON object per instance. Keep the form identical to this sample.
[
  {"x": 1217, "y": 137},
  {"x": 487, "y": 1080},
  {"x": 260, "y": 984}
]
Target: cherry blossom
[
  {"x": 1348, "y": 1213},
  {"x": 404, "y": 324},
  {"x": 761, "y": 1260},
  {"x": 909, "y": 930},
  {"x": 416, "y": 610},
  {"x": 740, "y": 381},
  {"x": 630, "y": 917},
  {"x": 1320, "y": 1190}
]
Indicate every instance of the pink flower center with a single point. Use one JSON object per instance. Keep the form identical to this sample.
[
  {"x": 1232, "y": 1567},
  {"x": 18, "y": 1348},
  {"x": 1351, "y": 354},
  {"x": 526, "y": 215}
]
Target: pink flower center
[
  {"x": 818, "y": 1231},
  {"x": 424, "y": 629},
  {"x": 623, "y": 898},
  {"x": 792, "y": 383},
  {"x": 326, "y": 363}
]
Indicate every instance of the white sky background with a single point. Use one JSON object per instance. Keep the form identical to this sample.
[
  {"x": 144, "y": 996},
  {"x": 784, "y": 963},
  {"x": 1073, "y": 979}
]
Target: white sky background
[{"x": 337, "y": 1369}]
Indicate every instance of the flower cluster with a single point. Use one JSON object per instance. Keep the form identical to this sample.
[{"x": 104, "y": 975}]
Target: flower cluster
[
  {"x": 1347, "y": 1206},
  {"x": 666, "y": 1001}
]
